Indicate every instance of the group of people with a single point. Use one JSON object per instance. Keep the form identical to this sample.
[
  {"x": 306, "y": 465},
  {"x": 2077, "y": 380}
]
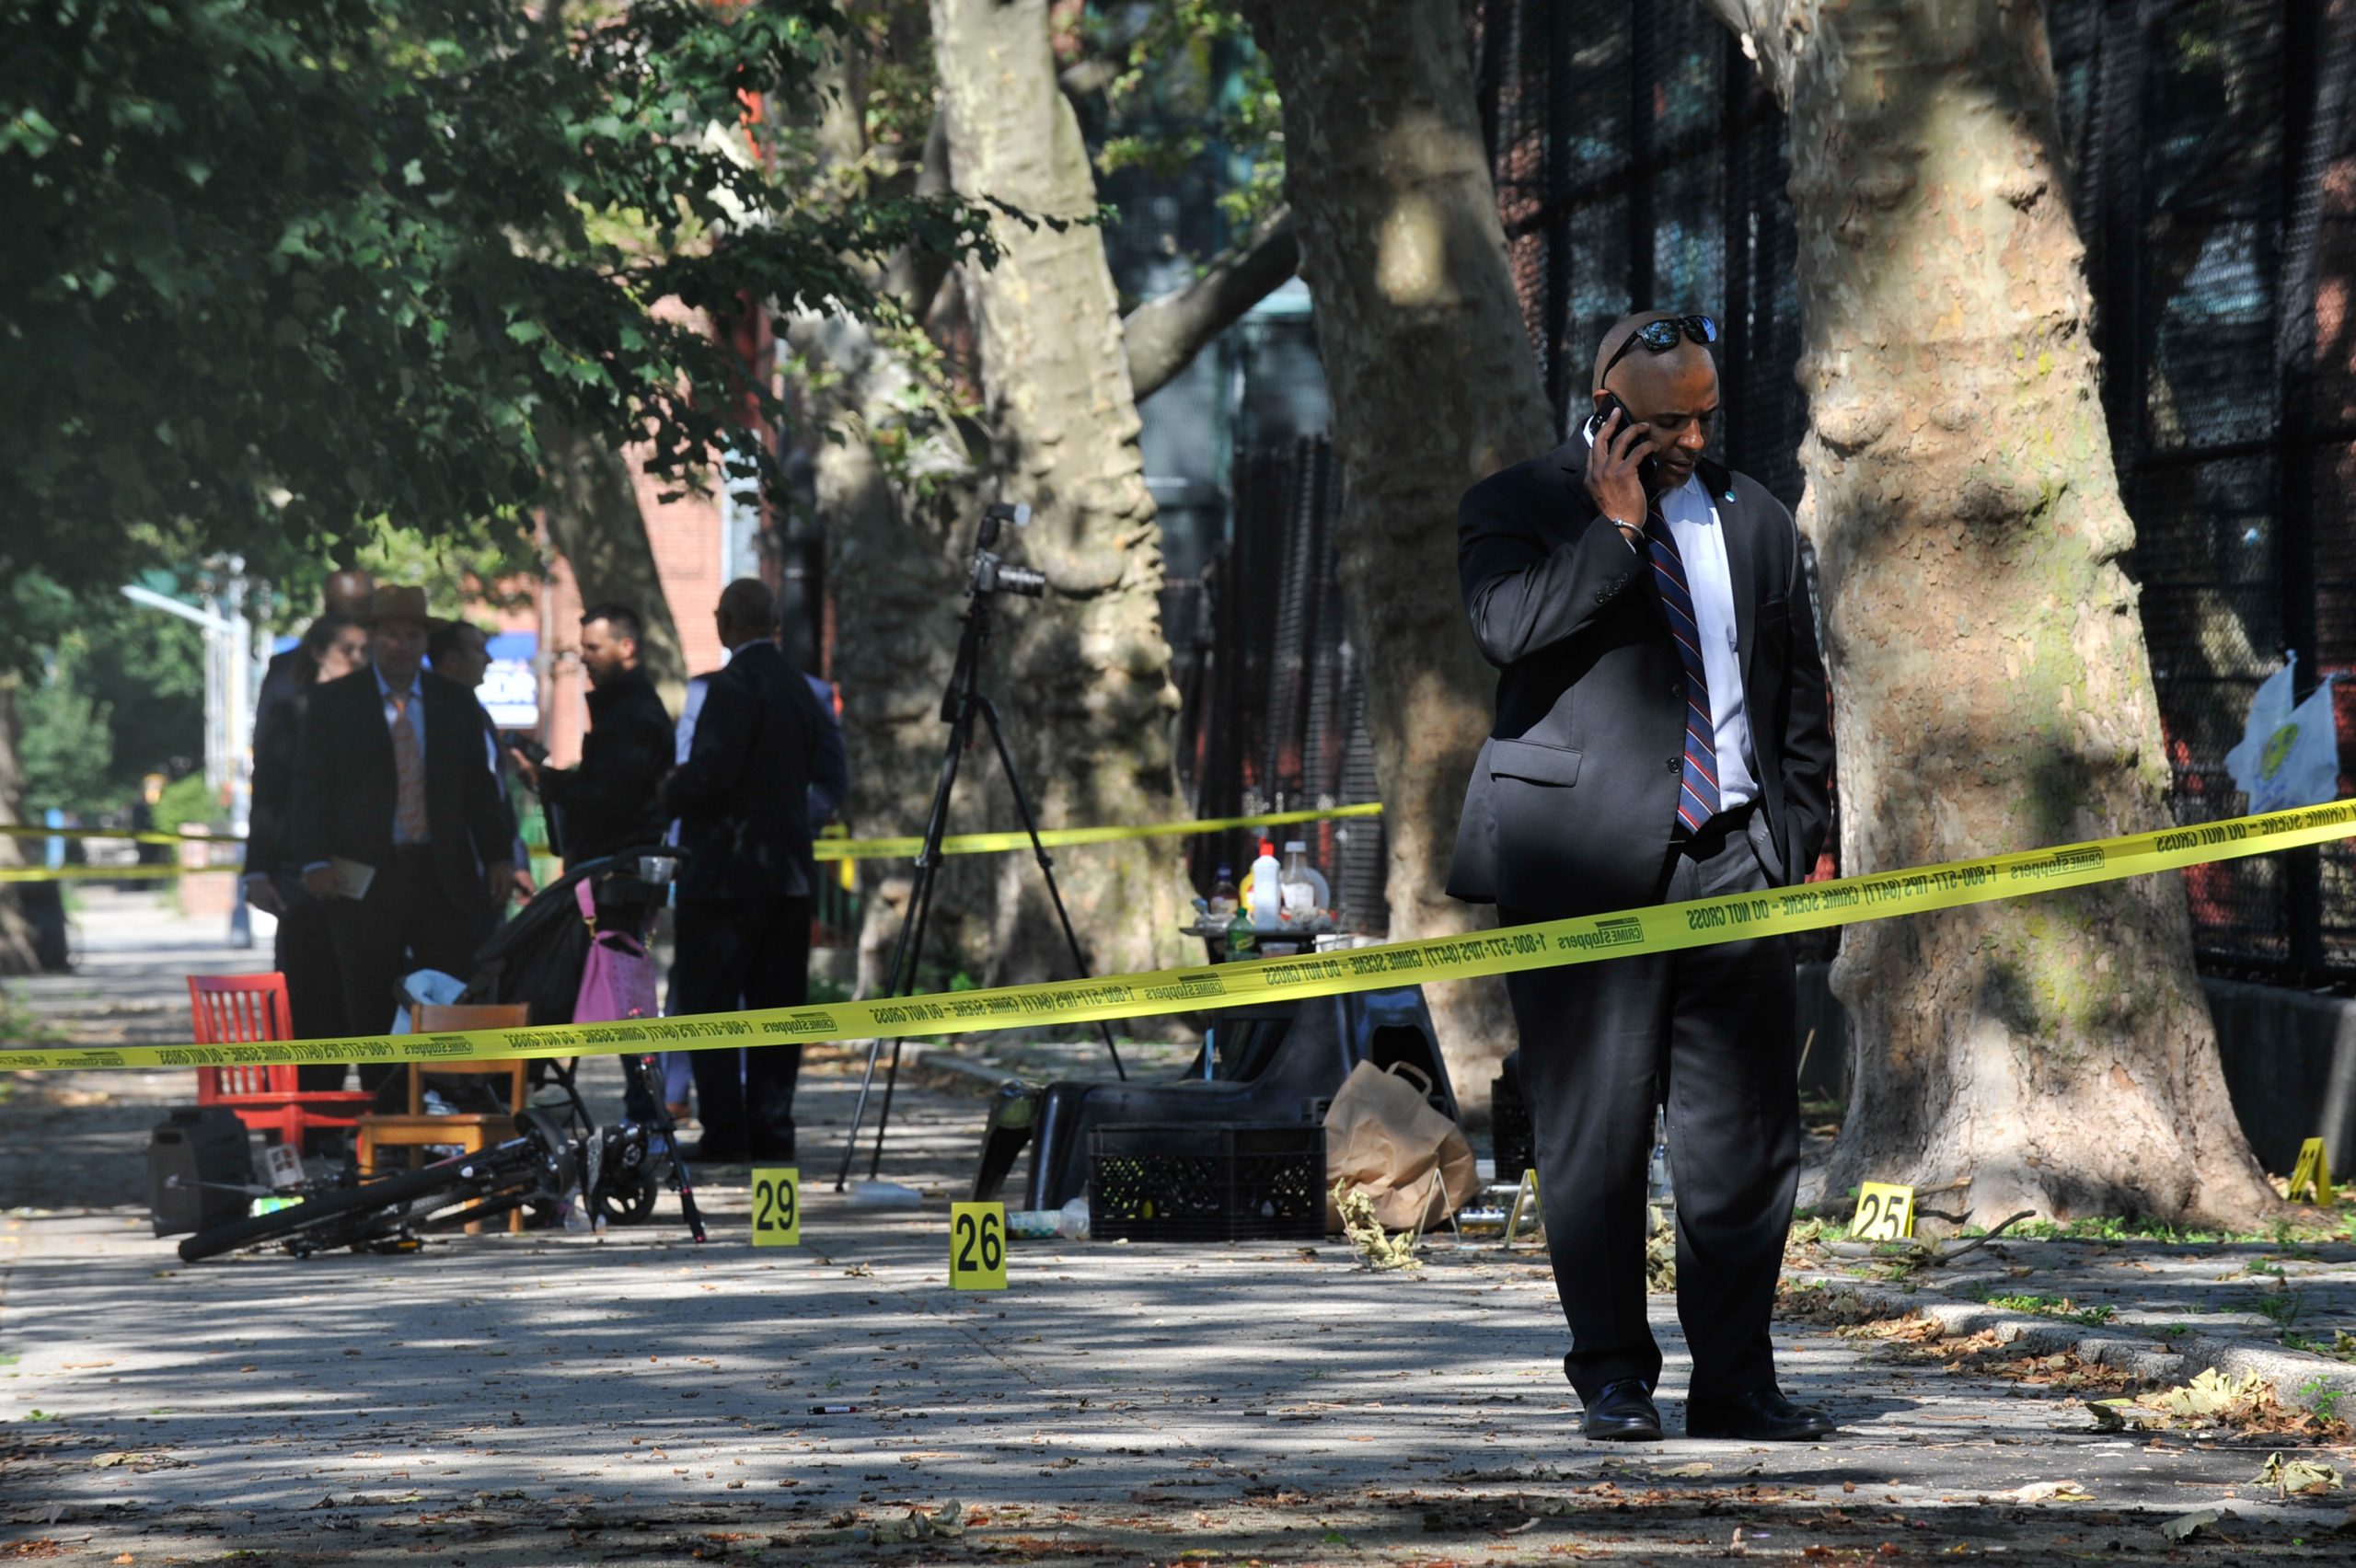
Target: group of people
[
  {"x": 384, "y": 836},
  {"x": 1661, "y": 734}
]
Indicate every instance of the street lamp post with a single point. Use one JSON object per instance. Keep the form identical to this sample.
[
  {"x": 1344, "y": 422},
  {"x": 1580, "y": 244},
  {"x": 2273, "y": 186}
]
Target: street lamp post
[{"x": 229, "y": 654}]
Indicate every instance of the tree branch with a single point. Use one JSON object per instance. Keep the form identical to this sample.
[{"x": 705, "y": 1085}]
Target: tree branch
[
  {"x": 1163, "y": 335},
  {"x": 914, "y": 277}
]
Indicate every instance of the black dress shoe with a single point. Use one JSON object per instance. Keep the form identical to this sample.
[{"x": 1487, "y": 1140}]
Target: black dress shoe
[
  {"x": 708, "y": 1153},
  {"x": 1766, "y": 1416},
  {"x": 1622, "y": 1412}
]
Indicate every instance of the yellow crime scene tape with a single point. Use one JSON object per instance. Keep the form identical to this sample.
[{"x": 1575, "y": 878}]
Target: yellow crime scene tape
[
  {"x": 108, "y": 873},
  {"x": 825, "y": 849},
  {"x": 1583, "y": 940},
  {"x": 120, "y": 835},
  {"x": 1057, "y": 837}
]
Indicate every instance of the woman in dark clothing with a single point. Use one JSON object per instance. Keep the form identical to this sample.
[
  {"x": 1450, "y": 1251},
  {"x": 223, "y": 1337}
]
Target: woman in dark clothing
[{"x": 334, "y": 645}]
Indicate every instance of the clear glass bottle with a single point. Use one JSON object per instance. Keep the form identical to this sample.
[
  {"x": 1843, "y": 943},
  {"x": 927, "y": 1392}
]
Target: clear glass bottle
[
  {"x": 1304, "y": 893},
  {"x": 1223, "y": 903}
]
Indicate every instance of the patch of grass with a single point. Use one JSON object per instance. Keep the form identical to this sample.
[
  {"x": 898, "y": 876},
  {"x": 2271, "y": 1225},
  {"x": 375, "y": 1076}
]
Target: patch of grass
[
  {"x": 19, "y": 1025},
  {"x": 1813, "y": 1228},
  {"x": 2340, "y": 1346},
  {"x": 2057, "y": 1306}
]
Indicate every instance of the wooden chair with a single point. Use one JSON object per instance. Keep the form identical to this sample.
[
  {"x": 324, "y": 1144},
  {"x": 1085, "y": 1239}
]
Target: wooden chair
[
  {"x": 472, "y": 1131},
  {"x": 245, "y": 1010}
]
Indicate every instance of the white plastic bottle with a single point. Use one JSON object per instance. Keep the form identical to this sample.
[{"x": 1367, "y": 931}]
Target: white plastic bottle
[{"x": 1267, "y": 891}]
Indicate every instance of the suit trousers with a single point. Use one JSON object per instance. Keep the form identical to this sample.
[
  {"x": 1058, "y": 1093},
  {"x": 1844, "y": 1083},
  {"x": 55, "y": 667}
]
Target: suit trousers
[
  {"x": 1707, "y": 1032},
  {"x": 408, "y": 922},
  {"x": 304, "y": 952},
  {"x": 750, "y": 953}
]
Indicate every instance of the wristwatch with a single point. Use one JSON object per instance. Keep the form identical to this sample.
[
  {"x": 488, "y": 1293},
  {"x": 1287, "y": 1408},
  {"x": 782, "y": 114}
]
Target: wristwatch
[{"x": 1629, "y": 531}]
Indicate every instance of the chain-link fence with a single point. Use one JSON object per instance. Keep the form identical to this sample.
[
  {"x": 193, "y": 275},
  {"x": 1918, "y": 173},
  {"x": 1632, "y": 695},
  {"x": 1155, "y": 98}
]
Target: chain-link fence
[
  {"x": 1638, "y": 162},
  {"x": 1274, "y": 714}
]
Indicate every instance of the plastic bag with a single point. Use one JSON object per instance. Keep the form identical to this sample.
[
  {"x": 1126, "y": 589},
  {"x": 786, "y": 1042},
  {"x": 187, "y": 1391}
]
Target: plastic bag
[{"x": 2289, "y": 755}]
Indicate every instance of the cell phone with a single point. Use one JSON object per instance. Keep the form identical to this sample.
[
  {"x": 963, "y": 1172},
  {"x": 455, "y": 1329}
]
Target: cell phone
[{"x": 1648, "y": 466}]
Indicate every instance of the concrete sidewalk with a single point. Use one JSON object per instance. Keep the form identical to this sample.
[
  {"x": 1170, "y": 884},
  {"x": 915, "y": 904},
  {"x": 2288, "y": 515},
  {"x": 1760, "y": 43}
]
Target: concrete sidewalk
[{"x": 555, "y": 1398}]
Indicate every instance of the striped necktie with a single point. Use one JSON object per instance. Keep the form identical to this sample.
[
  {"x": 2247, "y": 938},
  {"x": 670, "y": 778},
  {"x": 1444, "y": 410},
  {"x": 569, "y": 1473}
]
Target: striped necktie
[
  {"x": 409, "y": 771},
  {"x": 1697, "y": 796}
]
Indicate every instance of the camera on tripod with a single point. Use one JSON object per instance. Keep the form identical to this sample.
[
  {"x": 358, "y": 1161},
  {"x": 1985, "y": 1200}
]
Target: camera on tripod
[{"x": 992, "y": 572}]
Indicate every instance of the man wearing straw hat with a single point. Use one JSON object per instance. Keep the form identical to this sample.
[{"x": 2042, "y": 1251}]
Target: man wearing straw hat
[{"x": 397, "y": 818}]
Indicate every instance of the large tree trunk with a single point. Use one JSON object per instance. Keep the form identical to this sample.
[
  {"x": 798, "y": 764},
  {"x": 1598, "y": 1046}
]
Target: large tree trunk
[
  {"x": 1434, "y": 390},
  {"x": 16, "y": 956},
  {"x": 597, "y": 525},
  {"x": 893, "y": 529},
  {"x": 1082, "y": 678},
  {"x": 2052, "y": 1052}
]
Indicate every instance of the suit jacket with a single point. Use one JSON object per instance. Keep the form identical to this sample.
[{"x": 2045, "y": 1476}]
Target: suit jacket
[
  {"x": 1574, "y": 796},
  {"x": 278, "y": 738},
  {"x": 610, "y": 801},
  {"x": 742, "y": 797},
  {"x": 346, "y": 792}
]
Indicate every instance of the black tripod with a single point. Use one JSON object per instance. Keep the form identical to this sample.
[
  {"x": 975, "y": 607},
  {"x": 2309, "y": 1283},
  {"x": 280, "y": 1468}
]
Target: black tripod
[{"x": 959, "y": 705}]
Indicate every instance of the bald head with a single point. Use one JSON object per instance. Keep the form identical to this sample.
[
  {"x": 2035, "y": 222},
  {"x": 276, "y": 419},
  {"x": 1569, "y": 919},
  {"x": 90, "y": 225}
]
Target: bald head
[
  {"x": 746, "y": 612},
  {"x": 1616, "y": 335},
  {"x": 1672, "y": 392},
  {"x": 347, "y": 592}
]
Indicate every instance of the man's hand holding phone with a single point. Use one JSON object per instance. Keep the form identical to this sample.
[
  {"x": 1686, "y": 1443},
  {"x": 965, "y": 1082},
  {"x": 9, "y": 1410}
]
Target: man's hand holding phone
[{"x": 1615, "y": 478}]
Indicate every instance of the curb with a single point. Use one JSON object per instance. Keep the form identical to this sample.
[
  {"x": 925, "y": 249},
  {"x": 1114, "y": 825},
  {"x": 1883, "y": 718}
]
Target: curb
[{"x": 2299, "y": 1377}]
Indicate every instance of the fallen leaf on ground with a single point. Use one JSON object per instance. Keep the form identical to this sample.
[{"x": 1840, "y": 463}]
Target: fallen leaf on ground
[
  {"x": 2298, "y": 1475},
  {"x": 2185, "y": 1525},
  {"x": 2050, "y": 1492}
]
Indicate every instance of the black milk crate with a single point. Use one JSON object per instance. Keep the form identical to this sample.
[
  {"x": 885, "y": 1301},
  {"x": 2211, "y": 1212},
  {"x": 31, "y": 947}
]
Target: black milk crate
[{"x": 1206, "y": 1182}]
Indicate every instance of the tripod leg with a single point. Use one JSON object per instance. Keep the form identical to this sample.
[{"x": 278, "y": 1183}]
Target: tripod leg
[
  {"x": 909, "y": 948},
  {"x": 1046, "y": 865},
  {"x": 923, "y": 918}
]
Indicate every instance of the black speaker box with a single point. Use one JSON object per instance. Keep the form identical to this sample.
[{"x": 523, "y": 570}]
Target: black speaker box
[{"x": 198, "y": 1144}]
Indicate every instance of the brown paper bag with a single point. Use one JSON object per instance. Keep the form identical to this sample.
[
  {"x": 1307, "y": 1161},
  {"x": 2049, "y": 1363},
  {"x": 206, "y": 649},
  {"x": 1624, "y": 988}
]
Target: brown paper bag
[{"x": 1383, "y": 1137}]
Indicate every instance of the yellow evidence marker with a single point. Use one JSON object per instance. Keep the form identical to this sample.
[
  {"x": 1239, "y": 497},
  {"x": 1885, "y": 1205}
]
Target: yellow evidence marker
[
  {"x": 977, "y": 1245},
  {"x": 2312, "y": 1174},
  {"x": 777, "y": 1205},
  {"x": 1885, "y": 1212}
]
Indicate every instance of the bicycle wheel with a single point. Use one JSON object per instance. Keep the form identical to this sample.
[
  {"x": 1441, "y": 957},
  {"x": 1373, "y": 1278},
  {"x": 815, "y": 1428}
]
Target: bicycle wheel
[{"x": 298, "y": 1218}]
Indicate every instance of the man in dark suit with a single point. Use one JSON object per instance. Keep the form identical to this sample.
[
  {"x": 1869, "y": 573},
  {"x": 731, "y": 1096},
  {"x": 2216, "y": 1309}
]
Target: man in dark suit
[
  {"x": 392, "y": 776},
  {"x": 1660, "y": 735},
  {"x": 741, "y": 798}
]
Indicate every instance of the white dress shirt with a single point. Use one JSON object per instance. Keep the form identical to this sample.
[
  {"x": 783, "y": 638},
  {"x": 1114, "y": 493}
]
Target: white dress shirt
[{"x": 1701, "y": 544}]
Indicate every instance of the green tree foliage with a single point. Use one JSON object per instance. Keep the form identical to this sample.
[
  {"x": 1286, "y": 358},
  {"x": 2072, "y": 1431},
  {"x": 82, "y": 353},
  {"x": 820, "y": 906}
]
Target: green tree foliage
[
  {"x": 1187, "y": 79},
  {"x": 278, "y": 268},
  {"x": 66, "y": 748}
]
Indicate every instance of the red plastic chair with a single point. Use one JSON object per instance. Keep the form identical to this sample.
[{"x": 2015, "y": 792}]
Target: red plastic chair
[{"x": 244, "y": 1009}]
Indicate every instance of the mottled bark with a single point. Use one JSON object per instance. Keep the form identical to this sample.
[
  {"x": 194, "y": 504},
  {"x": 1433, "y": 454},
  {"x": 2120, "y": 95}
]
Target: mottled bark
[
  {"x": 16, "y": 956},
  {"x": 1992, "y": 690},
  {"x": 1083, "y": 677},
  {"x": 594, "y": 523},
  {"x": 1434, "y": 390},
  {"x": 899, "y": 494}
]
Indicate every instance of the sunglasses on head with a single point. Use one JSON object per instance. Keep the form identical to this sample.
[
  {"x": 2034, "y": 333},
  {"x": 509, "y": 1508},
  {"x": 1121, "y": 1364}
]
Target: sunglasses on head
[{"x": 1661, "y": 336}]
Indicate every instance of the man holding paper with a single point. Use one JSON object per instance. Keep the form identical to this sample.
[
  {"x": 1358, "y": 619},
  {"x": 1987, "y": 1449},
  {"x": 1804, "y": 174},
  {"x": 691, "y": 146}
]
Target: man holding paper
[{"x": 397, "y": 818}]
